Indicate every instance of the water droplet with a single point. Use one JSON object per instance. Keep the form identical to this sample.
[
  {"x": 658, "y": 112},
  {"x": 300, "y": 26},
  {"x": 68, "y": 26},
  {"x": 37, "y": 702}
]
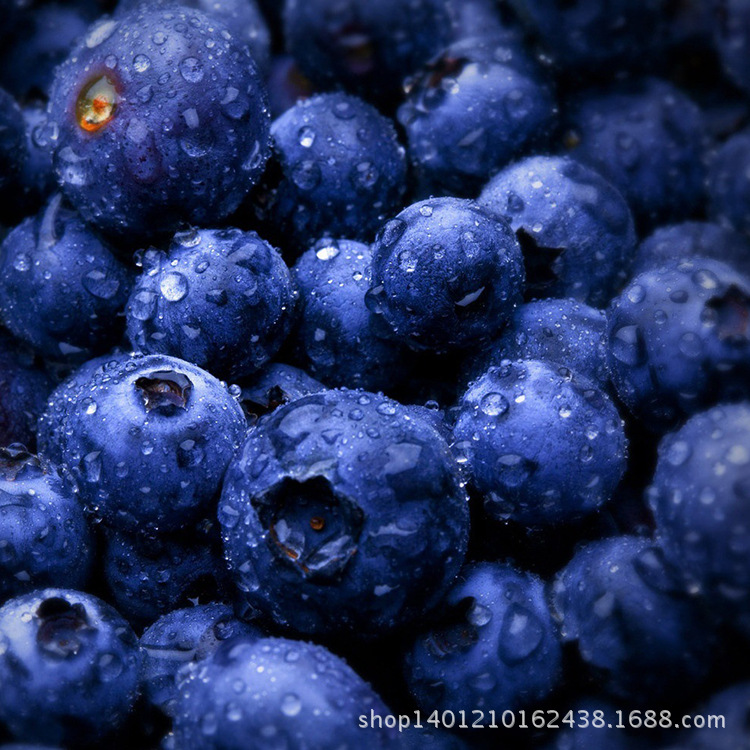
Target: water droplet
[
  {"x": 191, "y": 69},
  {"x": 521, "y": 634},
  {"x": 306, "y": 175},
  {"x": 306, "y": 136},
  {"x": 678, "y": 452},
  {"x": 174, "y": 286},
  {"x": 22, "y": 262},
  {"x": 291, "y": 705},
  {"x": 494, "y": 404},
  {"x": 141, "y": 63},
  {"x": 100, "y": 285}
]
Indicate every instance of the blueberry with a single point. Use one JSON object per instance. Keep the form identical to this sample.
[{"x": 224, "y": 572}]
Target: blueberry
[
  {"x": 491, "y": 646},
  {"x": 367, "y": 48},
  {"x": 472, "y": 109},
  {"x": 275, "y": 386},
  {"x": 44, "y": 537},
  {"x": 162, "y": 119},
  {"x": 645, "y": 137},
  {"x": 642, "y": 639},
  {"x": 69, "y": 667},
  {"x": 61, "y": 288},
  {"x": 23, "y": 391},
  {"x": 184, "y": 637},
  {"x": 540, "y": 446},
  {"x": 728, "y": 185},
  {"x": 699, "y": 496},
  {"x": 242, "y": 17},
  {"x": 343, "y": 513},
  {"x": 679, "y": 340},
  {"x": 563, "y": 332},
  {"x": 690, "y": 239},
  {"x": 732, "y": 37},
  {"x": 148, "y": 576},
  {"x": 337, "y": 169},
  {"x": 446, "y": 274},
  {"x": 476, "y": 18},
  {"x": 336, "y": 340},
  {"x": 575, "y": 229},
  {"x": 222, "y": 299},
  {"x": 150, "y": 441}
]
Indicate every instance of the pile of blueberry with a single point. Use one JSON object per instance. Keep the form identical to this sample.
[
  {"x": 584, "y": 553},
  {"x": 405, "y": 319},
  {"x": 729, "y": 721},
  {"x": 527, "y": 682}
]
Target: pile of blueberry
[{"x": 374, "y": 374}]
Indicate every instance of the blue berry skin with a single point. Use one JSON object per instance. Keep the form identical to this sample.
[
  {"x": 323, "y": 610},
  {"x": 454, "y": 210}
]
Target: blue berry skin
[
  {"x": 23, "y": 392},
  {"x": 335, "y": 340},
  {"x": 584, "y": 36},
  {"x": 12, "y": 146},
  {"x": 366, "y": 48},
  {"x": 575, "y": 228},
  {"x": 150, "y": 441},
  {"x": 222, "y": 299},
  {"x": 150, "y": 576},
  {"x": 562, "y": 332},
  {"x": 242, "y": 17},
  {"x": 275, "y": 386},
  {"x": 69, "y": 667},
  {"x": 61, "y": 288},
  {"x": 732, "y": 39},
  {"x": 472, "y": 109},
  {"x": 302, "y": 695},
  {"x": 642, "y": 639},
  {"x": 679, "y": 341},
  {"x": 44, "y": 537},
  {"x": 540, "y": 446},
  {"x": 37, "y": 177},
  {"x": 728, "y": 184},
  {"x": 693, "y": 239},
  {"x": 181, "y": 639},
  {"x": 337, "y": 169},
  {"x": 647, "y": 138},
  {"x": 476, "y": 18},
  {"x": 162, "y": 119},
  {"x": 492, "y": 645},
  {"x": 446, "y": 274},
  {"x": 343, "y": 513},
  {"x": 699, "y": 496}
]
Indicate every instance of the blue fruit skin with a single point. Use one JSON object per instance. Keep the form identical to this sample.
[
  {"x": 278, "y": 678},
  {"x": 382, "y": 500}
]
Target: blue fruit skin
[
  {"x": 540, "y": 446},
  {"x": 728, "y": 185},
  {"x": 646, "y": 137},
  {"x": 188, "y": 136},
  {"x": 343, "y": 513},
  {"x": 492, "y": 646},
  {"x": 275, "y": 386},
  {"x": 12, "y": 146},
  {"x": 159, "y": 465},
  {"x": 367, "y": 48},
  {"x": 61, "y": 288},
  {"x": 148, "y": 577},
  {"x": 181, "y": 639},
  {"x": 308, "y": 695},
  {"x": 222, "y": 299},
  {"x": 23, "y": 392},
  {"x": 44, "y": 536},
  {"x": 640, "y": 636},
  {"x": 242, "y": 17},
  {"x": 699, "y": 496},
  {"x": 335, "y": 340},
  {"x": 69, "y": 667},
  {"x": 37, "y": 172},
  {"x": 337, "y": 169},
  {"x": 693, "y": 239},
  {"x": 575, "y": 228},
  {"x": 472, "y": 109},
  {"x": 563, "y": 332},
  {"x": 678, "y": 340},
  {"x": 732, "y": 39},
  {"x": 446, "y": 274}
]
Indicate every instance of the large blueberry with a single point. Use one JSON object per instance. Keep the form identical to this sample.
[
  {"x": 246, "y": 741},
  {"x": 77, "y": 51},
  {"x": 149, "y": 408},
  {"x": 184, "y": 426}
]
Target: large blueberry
[
  {"x": 491, "y": 646},
  {"x": 161, "y": 119},
  {"x": 272, "y": 692},
  {"x": 222, "y": 299},
  {"x": 575, "y": 228},
  {"x": 471, "y": 110},
  {"x": 446, "y": 274},
  {"x": 69, "y": 667},
  {"x": 44, "y": 537},
  {"x": 541, "y": 446},
  {"x": 61, "y": 288},
  {"x": 150, "y": 441},
  {"x": 679, "y": 340},
  {"x": 344, "y": 512}
]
